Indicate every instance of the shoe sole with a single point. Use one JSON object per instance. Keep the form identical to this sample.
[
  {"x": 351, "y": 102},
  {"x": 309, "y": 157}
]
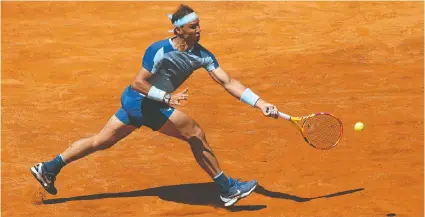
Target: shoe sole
[
  {"x": 239, "y": 197},
  {"x": 34, "y": 173}
]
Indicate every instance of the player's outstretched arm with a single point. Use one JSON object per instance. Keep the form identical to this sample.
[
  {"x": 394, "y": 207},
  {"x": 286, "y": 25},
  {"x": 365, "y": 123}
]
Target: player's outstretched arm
[{"x": 246, "y": 95}]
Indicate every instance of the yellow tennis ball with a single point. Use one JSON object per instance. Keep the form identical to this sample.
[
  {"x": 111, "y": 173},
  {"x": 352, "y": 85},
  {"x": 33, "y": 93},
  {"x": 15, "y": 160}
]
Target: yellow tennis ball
[{"x": 359, "y": 126}]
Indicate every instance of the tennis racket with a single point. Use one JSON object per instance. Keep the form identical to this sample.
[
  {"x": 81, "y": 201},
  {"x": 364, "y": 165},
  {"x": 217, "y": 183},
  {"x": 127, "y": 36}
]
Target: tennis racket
[{"x": 320, "y": 130}]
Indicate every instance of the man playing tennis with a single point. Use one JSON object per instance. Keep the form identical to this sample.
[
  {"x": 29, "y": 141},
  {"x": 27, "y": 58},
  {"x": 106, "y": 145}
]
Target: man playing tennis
[{"x": 149, "y": 101}]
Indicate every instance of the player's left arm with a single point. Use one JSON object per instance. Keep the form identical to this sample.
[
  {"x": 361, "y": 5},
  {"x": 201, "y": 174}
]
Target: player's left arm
[{"x": 241, "y": 92}]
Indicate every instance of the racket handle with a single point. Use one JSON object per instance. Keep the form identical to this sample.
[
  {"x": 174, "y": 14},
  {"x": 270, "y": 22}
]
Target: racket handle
[{"x": 284, "y": 116}]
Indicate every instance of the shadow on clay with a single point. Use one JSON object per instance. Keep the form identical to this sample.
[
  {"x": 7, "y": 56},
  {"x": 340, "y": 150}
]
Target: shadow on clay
[{"x": 195, "y": 194}]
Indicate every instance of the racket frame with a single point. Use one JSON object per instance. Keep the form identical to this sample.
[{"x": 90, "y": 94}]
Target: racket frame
[{"x": 300, "y": 121}]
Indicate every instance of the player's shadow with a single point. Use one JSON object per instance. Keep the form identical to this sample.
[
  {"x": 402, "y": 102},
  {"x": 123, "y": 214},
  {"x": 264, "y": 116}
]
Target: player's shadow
[
  {"x": 195, "y": 194},
  {"x": 263, "y": 191}
]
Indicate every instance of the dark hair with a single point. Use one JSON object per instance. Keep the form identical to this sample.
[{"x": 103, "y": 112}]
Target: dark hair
[{"x": 181, "y": 11}]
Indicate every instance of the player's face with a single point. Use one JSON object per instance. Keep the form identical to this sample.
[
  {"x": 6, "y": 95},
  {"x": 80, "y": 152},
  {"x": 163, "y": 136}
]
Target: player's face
[{"x": 192, "y": 31}]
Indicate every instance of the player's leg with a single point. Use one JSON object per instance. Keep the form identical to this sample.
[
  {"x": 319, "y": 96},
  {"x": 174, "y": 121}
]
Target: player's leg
[
  {"x": 113, "y": 131},
  {"x": 125, "y": 121},
  {"x": 181, "y": 126}
]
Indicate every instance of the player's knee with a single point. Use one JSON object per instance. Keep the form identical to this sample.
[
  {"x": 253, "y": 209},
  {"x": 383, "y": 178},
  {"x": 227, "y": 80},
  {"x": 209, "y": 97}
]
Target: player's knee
[
  {"x": 195, "y": 132},
  {"x": 199, "y": 133}
]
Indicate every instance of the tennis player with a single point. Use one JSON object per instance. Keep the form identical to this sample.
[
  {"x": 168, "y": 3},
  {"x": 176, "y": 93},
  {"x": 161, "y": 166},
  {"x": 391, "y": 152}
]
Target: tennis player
[{"x": 150, "y": 101}]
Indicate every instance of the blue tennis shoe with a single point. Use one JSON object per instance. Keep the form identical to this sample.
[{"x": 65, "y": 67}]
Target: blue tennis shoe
[{"x": 237, "y": 191}]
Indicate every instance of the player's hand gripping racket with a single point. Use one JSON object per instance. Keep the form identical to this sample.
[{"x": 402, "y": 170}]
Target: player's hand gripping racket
[{"x": 320, "y": 130}]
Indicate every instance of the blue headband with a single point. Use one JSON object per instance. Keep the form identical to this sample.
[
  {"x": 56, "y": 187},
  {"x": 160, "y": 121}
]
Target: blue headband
[{"x": 184, "y": 20}]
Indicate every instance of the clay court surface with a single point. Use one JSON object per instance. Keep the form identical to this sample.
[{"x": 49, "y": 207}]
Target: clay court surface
[{"x": 64, "y": 66}]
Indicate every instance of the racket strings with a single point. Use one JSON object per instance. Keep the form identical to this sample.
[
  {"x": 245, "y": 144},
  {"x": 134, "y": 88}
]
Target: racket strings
[{"x": 322, "y": 131}]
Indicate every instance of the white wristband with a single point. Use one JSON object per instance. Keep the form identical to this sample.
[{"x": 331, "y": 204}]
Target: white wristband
[
  {"x": 249, "y": 97},
  {"x": 156, "y": 94}
]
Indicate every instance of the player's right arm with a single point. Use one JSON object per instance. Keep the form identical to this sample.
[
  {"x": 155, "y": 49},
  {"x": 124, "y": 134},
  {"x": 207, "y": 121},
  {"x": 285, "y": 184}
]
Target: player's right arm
[{"x": 141, "y": 84}]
